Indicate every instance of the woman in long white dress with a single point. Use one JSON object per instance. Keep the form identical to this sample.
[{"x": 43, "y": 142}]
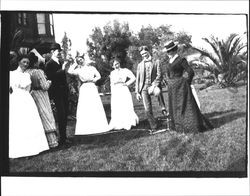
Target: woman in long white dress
[
  {"x": 26, "y": 133},
  {"x": 90, "y": 115},
  {"x": 123, "y": 115}
]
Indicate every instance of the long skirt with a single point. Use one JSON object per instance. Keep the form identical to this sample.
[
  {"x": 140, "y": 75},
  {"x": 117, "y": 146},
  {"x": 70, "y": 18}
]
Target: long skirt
[
  {"x": 42, "y": 101},
  {"x": 90, "y": 115},
  {"x": 26, "y": 133},
  {"x": 123, "y": 115},
  {"x": 183, "y": 109}
]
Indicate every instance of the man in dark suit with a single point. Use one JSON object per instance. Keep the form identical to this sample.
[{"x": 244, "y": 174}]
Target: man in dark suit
[
  {"x": 148, "y": 82},
  {"x": 58, "y": 90}
]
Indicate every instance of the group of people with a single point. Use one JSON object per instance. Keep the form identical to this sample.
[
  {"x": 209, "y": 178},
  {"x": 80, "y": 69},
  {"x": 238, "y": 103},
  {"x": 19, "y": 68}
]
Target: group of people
[{"x": 32, "y": 124}]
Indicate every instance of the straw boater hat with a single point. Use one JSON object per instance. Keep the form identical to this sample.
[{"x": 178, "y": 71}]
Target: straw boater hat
[{"x": 170, "y": 45}]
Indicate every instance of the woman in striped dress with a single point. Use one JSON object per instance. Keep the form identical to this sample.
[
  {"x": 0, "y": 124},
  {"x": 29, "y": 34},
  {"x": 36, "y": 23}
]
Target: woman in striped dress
[{"x": 39, "y": 92}]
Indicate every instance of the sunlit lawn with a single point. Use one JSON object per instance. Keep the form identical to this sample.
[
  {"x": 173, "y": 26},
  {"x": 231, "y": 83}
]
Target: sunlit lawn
[{"x": 220, "y": 149}]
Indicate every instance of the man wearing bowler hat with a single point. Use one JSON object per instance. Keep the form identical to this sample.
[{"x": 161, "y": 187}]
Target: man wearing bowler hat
[
  {"x": 148, "y": 81},
  {"x": 58, "y": 90}
]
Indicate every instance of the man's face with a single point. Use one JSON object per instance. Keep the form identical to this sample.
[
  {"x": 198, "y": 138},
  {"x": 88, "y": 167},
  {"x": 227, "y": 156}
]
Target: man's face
[
  {"x": 57, "y": 53},
  {"x": 145, "y": 54}
]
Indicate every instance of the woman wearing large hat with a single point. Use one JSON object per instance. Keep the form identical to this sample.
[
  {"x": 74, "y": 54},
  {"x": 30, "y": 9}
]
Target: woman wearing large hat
[{"x": 183, "y": 109}]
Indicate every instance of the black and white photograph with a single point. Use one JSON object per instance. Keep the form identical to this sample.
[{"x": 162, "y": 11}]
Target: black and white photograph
[{"x": 124, "y": 94}]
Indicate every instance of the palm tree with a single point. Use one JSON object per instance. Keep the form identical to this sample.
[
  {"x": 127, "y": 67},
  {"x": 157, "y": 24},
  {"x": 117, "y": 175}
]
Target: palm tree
[{"x": 227, "y": 58}]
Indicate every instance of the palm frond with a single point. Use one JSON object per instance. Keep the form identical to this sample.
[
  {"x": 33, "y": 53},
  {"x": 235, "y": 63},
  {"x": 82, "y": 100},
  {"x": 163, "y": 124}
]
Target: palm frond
[
  {"x": 234, "y": 46},
  {"x": 209, "y": 55},
  {"x": 229, "y": 41},
  {"x": 242, "y": 46},
  {"x": 214, "y": 45}
]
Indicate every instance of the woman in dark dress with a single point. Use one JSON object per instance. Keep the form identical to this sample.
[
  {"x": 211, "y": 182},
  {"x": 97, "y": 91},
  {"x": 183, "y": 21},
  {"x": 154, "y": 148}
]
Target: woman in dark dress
[{"x": 184, "y": 112}]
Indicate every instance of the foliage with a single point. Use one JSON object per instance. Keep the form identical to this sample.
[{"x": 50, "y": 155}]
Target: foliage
[
  {"x": 104, "y": 44},
  {"x": 227, "y": 58},
  {"x": 72, "y": 81},
  {"x": 66, "y": 46},
  {"x": 118, "y": 40}
]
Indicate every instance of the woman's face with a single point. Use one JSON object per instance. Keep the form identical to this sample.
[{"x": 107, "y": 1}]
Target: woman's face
[
  {"x": 116, "y": 64},
  {"x": 24, "y": 63},
  {"x": 80, "y": 60}
]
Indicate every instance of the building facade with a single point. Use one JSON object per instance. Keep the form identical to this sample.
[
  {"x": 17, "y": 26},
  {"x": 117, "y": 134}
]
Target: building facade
[{"x": 31, "y": 30}]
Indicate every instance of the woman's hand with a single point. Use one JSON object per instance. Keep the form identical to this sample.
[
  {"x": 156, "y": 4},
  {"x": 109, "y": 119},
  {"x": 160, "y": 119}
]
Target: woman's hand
[{"x": 138, "y": 96}]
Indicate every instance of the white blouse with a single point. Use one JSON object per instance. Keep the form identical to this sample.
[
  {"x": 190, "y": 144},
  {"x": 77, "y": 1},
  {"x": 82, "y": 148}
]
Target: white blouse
[
  {"x": 85, "y": 73},
  {"x": 119, "y": 76},
  {"x": 20, "y": 80}
]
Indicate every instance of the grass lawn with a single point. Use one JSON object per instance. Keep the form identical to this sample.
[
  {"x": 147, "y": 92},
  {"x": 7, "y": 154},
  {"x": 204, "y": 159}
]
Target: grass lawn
[{"x": 220, "y": 149}]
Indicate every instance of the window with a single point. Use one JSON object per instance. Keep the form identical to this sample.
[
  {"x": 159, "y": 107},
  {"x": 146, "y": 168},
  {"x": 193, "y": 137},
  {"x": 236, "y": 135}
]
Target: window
[
  {"x": 19, "y": 18},
  {"x": 51, "y": 24},
  {"x": 25, "y": 19},
  {"x": 22, "y": 19},
  {"x": 41, "y": 24}
]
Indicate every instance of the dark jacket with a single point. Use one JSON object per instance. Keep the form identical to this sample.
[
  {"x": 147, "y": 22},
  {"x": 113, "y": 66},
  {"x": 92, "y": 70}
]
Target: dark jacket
[{"x": 54, "y": 72}]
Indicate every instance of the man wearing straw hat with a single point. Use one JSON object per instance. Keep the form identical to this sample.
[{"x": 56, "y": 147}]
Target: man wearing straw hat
[{"x": 148, "y": 80}]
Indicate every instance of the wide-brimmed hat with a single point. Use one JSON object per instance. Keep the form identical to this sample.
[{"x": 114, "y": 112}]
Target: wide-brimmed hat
[
  {"x": 55, "y": 46},
  {"x": 170, "y": 45}
]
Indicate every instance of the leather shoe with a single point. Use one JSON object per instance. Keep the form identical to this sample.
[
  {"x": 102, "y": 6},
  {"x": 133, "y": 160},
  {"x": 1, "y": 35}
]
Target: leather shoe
[{"x": 154, "y": 131}]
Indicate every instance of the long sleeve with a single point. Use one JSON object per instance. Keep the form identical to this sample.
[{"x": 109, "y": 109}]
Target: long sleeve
[
  {"x": 97, "y": 75},
  {"x": 54, "y": 71},
  {"x": 188, "y": 69},
  {"x": 72, "y": 69},
  {"x": 158, "y": 78},
  {"x": 44, "y": 83},
  {"x": 137, "y": 79},
  {"x": 131, "y": 77}
]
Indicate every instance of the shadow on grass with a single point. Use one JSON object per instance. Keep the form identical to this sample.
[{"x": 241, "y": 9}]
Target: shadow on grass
[
  {"x": 238, "y": 165},
  {"x": 111, "y": 138},
  {"x": 217, "y": 113},
  {"x": 227, "y": 116}
]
